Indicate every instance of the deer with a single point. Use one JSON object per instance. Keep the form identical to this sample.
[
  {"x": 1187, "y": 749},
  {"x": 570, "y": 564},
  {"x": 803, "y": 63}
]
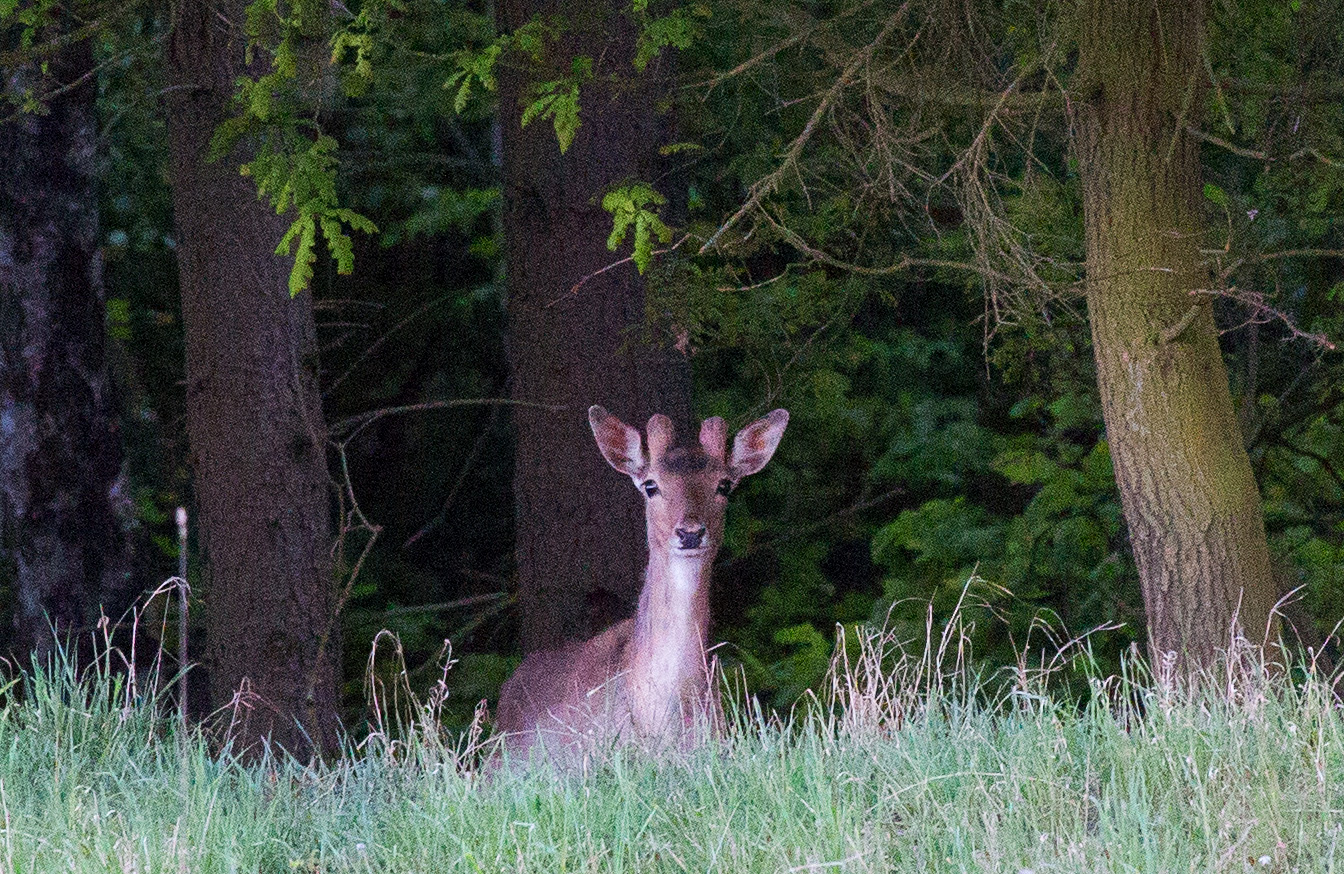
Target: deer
[{"x": 645, "y": 678}]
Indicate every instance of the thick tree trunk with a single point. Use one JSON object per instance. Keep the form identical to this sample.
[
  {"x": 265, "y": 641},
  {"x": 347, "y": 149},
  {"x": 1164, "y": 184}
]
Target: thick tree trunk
[
  {"x": 63, "y": 545},
  {"x": 580, "y": 540},
  {"x": 1186, "y": 485},
  {"x": 254, "y": 417}
]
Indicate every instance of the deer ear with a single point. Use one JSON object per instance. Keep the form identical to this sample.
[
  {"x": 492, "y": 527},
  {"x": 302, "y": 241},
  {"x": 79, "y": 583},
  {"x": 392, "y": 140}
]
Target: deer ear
[
  {"x": 755, "y": 444},
  {"x": 618, "y": 442}
]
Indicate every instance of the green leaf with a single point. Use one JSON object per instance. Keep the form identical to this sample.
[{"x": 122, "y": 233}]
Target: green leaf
[
  {"x": 304, "y": 228},
  {"x": 677, "y": 29},
  {"x": 636, "y": 205},
  {"x": 558, "y": 100},
  {"x": 1026, "y": 467},
  {"x": 1074, "y": 411},
  {"x": 474, "y": 68},
  {"x": 119, "y": 318},
  {"x": 676, "y": 148},
  {"x": 1215, "y": 194}
]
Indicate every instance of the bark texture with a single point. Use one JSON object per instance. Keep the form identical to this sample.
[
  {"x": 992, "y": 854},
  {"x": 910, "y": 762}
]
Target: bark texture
[
  {"x": 254, "y": 418},
  {"x": 63, "y": 511},
  {"x": 1186, "y": 485},
  {"x": 579, "y": 555}
]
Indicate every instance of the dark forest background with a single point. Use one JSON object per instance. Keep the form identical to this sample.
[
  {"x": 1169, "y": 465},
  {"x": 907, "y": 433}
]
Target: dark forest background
[{"x": 891, "y": 219}]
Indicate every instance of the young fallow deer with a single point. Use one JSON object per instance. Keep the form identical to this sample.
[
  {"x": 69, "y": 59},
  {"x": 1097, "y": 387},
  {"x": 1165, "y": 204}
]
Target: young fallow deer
[{"x": 645, "y": 677}]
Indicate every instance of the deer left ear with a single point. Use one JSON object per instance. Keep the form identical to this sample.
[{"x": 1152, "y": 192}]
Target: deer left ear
[{"x": 755, "y": 444}]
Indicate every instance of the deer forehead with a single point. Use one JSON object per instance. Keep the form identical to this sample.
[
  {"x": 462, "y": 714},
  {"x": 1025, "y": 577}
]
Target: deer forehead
[{"x": 688, "y": 464}]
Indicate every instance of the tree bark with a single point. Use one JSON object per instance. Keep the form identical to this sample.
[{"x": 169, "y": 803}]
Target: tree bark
[
  {"x": 63, "y": 511},
  {"x": 254, "y": 418},
  {"x": 580, "y": 529},
  {"x": 1186, "y": 485}
]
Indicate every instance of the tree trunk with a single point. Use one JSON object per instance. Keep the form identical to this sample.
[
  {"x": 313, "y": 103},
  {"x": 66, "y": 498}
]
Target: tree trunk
[
  {"x": 1186, "y": 485},
  {"x": 254, "y": 418},
  {"x": 580, "y": 529},
  {"x": 63, "y": 511}
]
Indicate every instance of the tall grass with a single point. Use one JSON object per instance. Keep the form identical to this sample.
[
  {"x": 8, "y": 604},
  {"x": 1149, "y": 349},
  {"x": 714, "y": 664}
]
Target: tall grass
[{"x": 907, "y": 763}]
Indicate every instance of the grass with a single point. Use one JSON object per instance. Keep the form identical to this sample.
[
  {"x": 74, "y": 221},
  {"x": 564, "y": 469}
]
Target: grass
[{"x": 899, "y": 767}]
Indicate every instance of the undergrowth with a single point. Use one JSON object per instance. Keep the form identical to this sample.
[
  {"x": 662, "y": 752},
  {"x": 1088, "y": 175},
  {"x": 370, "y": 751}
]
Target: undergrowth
[{"x": 907, "y": 762}]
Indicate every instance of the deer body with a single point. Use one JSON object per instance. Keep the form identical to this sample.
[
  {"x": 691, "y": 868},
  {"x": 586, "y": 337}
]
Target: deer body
[{"x": 647, "y": 676}]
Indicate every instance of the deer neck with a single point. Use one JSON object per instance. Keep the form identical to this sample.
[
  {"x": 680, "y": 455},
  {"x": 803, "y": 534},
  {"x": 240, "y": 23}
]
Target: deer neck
[{"x": 667, "y": 672}]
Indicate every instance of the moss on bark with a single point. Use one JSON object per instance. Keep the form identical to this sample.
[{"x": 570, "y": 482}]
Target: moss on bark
[{"x": 1186, "y": 485}]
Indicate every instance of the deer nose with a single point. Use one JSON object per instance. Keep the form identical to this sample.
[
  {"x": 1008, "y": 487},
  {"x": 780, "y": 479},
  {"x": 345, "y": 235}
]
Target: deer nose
[{"x": 690, "y": 538}]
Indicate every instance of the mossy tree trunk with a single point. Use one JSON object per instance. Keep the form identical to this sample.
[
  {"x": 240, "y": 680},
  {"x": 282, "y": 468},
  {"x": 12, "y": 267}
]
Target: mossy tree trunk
[
  {"x": 254, "y": 417},
  {"x": 1189, "y": 497},
  {"x": 580, "y": 528}
]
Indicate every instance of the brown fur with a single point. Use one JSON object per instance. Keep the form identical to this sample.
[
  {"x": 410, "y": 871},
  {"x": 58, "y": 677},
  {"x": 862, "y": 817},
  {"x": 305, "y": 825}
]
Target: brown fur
[{"x": 645, "y": 677}]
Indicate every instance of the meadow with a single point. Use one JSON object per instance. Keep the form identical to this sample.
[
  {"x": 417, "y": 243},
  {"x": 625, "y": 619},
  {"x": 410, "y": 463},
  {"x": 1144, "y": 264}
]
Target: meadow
[{"x": 909, "y": 761}]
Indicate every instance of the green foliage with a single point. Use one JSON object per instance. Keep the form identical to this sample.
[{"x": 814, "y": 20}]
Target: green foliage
[
  {"x": 140, "y": 275},
  {"x": 421, "y": 319},
  {"x": 33, "y": 34},
  {"x": 301, "y": 175},
  {"x": 808, "y": 658},
  {"x": 475, "y": 63},
  {"x": 446, "y": 209},
  {"x": 1279, "y": 190},
  {"x": 1061, "y": 552},
  {"x": 476, "y": 68},
  {"x": 1025, "y": 500},
  {"x": 678, "y": 29},
  {"x": 558, "y": 100},
  {"x": 294, "y": 163},
  {"x": 31, "y": 18},
  {"x": 636, "y": 204},
  {"x": 360, "y": 42},
  {"x": 915, "y": 469},
  {"x": 912, "y": 464},
  {"x": 954, "y": 148}
]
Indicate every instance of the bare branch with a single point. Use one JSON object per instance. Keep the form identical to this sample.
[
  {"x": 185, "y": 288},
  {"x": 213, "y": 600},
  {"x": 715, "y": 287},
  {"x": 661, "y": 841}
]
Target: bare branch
[
  {"x": 766, "y": 186},
  {"x": 1257, "y": 154},
  {"x": 482, "y": 439},
  {"x": 905, "y": 263},
  {"x": 714, "y": 82},
  {"x": 1207, "y": 137},
  {"x": 1296, "y": 253},
  {"x": 573, "y": 289},
  {"x": 47, "y": 48},
  {"x": 363, "y": 420},
  {"x": 1170, "y": 333},
  {"x": 67, "y": 87},
  {"x": 1261, "y": 312},
  {"x": 387, "y": 335},
  {"x": 1324, "y": 462}
]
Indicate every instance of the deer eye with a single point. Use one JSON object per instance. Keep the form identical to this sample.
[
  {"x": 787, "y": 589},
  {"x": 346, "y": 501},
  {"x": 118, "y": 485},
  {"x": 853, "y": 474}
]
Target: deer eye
[
  {"x": 650, "y": 487},
  {"x": 725, "y": 486}
]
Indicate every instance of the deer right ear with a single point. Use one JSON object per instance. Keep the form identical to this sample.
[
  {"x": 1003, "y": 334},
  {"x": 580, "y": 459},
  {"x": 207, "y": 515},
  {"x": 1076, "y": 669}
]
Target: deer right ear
[{"x": 618, "y": 442}]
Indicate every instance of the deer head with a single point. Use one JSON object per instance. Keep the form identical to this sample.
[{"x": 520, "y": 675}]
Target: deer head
[{"x": 686, "y": 488}]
